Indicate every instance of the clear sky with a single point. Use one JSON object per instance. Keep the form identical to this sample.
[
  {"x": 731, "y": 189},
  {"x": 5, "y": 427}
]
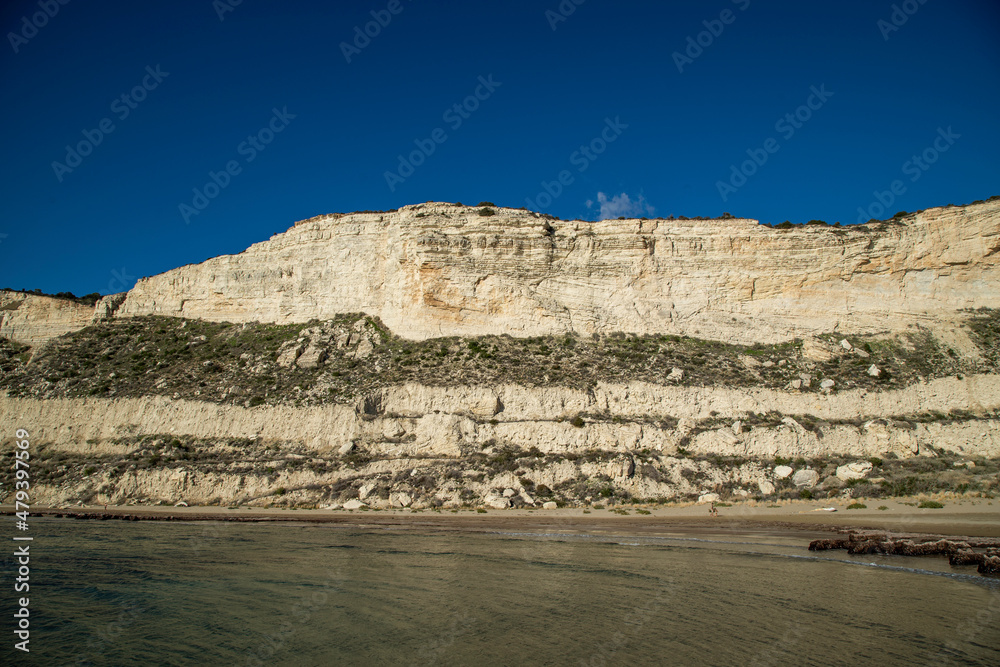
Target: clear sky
[{"x": 115, "y": 113}]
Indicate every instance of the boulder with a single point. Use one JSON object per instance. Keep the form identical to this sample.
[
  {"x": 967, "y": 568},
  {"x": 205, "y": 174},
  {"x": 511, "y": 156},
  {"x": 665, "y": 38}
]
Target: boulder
[
  {"x": 346, "y": 448},
  {"x": 708, "y": 498},
  {"x": 508, "y": 493},
  {"x": 965, "y": 557},
  {"x": 846, "y": 344},
  {"x": 857, "y": 470},
  {"x": 496, "y": 502},
  {"x": 989, "y": 565},
  {"x": 827, "y": 384},
  {"x": 874, "y": 371},
  {"x": 288, "y": 355},
  {"x": 400, "y": 499},
  {"x": 676, "y": 374},
  {"x": 312, "y": 357},
  {"x": 353, "y": 504},
  {"x": 550, "y": 505},
  {"x": 806, "y": 478},
  {"x": 781, "y": 472},
  {"x": 365, "y": 490},
  {"x": 766, "y": 487},
  {"x": 737, "y": 427}
]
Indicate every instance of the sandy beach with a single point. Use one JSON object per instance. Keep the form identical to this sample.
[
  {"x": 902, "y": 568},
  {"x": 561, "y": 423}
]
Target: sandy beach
[{"x": 973, "y": 517}]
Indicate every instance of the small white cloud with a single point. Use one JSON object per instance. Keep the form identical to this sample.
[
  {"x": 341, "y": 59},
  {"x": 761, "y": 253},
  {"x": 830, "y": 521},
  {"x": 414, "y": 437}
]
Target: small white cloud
[{"x": 622, "y": 206}]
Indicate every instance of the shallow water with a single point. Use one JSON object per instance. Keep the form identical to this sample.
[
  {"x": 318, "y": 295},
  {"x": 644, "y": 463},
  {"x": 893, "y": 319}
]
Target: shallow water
[{"x": 121, "y": 593}]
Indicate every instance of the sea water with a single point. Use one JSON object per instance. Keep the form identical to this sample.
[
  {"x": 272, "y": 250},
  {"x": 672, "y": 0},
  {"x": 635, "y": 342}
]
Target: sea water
[{"x": 221, "y": 593}]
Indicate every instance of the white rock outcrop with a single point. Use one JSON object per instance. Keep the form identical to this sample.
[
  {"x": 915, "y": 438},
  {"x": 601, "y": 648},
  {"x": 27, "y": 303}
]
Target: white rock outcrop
[{"x": 857, "y": 470}]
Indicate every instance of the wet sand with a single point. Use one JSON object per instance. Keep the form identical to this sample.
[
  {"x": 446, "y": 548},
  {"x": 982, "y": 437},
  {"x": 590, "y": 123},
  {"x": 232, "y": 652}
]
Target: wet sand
[{"x": 973, "y": 517}]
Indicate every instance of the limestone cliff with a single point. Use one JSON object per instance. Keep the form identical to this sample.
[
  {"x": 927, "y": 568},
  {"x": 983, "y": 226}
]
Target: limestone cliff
[
  {"x": 440, "y": 269},
  {"x": 33, "y": 319},
  {"x": 155, "y": 396}
]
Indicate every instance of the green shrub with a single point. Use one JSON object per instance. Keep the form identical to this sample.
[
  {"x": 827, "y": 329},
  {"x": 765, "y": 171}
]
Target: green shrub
[
  {"x": 480, "y": 510},
  {"x": 577, "y": 421},
  {"x": 486, "y": 211},
  {"x": 858, "y": 506},
  {"x": 280, "y": 491},
  {"x": 806, "y": 494},
  {"x": 882, "y": 508},
  {"x": 930, "y": 504}
]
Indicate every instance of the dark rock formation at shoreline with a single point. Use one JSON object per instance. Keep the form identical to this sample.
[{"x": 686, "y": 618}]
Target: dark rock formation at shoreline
[{"x": 960, "y": 551}]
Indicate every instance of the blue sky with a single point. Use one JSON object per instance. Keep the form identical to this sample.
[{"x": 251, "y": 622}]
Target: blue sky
[{"x": 766, "y": 109}]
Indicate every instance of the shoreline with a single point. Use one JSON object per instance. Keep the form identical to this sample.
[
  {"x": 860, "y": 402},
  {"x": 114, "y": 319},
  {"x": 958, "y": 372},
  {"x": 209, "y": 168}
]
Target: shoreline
[{"x": 973, "y": 517}]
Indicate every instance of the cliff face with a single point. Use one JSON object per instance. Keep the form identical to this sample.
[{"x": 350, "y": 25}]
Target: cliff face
[
  {"x": 32, "y": 319},
  {"x": 509, "y": 445},
  {"x": 153, "y": 409},
  {"x": 439, "y": 269}
]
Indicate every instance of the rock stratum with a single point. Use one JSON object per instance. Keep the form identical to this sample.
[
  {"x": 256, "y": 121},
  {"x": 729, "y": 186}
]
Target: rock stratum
[
  {"x": 442, "y": 270},
  {"x": 448, "y": 356}
]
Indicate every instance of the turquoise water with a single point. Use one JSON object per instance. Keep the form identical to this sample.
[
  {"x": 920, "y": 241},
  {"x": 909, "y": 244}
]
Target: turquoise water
[{"x": 155, "y": 593}]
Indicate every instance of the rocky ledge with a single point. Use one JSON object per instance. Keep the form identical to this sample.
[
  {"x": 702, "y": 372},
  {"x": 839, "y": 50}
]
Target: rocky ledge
[{"x": 983, "y": 552}]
